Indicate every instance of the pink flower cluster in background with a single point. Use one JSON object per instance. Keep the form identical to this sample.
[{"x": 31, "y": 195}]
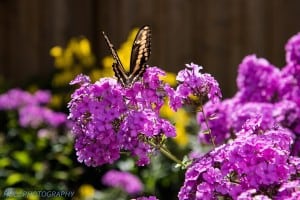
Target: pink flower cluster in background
[{"x": 32, "y": 108}]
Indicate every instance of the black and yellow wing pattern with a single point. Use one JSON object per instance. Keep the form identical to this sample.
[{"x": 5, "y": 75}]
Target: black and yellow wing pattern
[{"x": 140, "y": 53}]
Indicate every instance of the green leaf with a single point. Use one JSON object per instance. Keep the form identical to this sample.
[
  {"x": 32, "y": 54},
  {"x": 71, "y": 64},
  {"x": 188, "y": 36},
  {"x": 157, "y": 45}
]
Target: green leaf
[
  {"x": 38, "y": 166},
  {"x": 22, "y": 157},
  {"x": 64, "y": 160},
  {"x": 74, "y": 173},
  {"x": 42, "y": 143},
  {"x": 60, "y": 175},
  {"x": 4, "y": 162},
  {"x": 14, "y": 178}
]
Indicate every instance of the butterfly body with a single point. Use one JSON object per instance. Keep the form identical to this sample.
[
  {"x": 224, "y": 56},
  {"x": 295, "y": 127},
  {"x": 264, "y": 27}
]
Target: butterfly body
[{"x": 140, "y": 53}]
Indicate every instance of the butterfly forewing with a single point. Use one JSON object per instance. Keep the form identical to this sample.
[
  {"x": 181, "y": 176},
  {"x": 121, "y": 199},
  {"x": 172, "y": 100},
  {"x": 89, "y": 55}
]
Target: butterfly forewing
[
  {"x": 117, "y": 66},
  {"x": 140, "y": 49},
  {"x": 140, "y": 53}
]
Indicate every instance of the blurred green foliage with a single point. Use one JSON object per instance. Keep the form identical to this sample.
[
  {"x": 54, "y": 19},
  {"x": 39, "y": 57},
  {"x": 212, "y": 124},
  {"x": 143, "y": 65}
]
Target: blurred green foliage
[{"x": 30, "y": 160}]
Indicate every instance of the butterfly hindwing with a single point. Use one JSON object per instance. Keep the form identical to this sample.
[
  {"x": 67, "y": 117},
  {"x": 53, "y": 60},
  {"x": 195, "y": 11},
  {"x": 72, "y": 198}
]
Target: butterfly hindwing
[{"x": 140, "y": 53}]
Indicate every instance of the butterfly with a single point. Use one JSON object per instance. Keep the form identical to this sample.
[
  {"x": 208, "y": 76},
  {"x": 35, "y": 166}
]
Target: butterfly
[{"x": 140, "y": 54}]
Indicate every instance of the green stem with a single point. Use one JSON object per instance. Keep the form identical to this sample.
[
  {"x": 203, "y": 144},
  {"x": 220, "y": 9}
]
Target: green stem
[
  {"x": 212, "y": 138},
  {"x": 167, "y": 153},
  {"x": 171, "y": 156}
]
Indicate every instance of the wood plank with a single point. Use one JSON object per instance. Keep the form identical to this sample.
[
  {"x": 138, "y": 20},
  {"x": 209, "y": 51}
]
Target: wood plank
[{"x": 215, "y": 34}]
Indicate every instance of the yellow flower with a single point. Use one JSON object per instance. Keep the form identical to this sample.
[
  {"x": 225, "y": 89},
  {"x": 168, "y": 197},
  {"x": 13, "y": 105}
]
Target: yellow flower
[
  {"x": 95, "y": 74},
  {"x": 166, "y": 111},
  {"x": 107, "y": 62},
  {"x": 170, "y": 78},
  {"x": 86, "y": 191},
  {"x": 63, "y": 78},
  {"x": 85, "y": 47},
  {"x": 181, "y": 138},
  {"x": 77, "y": 51},
  {"x": 71, "y": 60},
  {"x": 56, "y": 101},
  {"x": 56, "y": 51},
  {"x": 180, "y": 119}
]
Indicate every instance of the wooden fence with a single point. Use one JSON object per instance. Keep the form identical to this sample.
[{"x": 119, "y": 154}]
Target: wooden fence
[{"x": 214, "y": 33}]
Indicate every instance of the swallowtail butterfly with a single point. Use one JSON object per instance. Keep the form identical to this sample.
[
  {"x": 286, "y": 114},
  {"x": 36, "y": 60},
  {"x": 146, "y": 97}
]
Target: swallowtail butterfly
[{"x": 139, "y": 55}]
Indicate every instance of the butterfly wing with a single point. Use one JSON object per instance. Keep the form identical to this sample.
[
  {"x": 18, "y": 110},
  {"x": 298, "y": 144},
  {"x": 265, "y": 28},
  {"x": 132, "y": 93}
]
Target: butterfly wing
[
  {"x": 117, "y": 66},
  {"x": 140, "y": 53},
  {"x": 120, "y": 74}
]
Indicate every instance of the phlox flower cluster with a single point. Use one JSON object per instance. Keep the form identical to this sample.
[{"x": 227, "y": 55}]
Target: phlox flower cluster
[
  {"x": 108, "y": 118},
  {"x": 31, "y": 108},
  {"x": 124, "y": 180},
  {"x": 292, "y": 49},
  {"x": 260, "y": 126},
  {"x": 256, "y": 162},
  {"x": 257, "y": 80},
  {"x": 194, "y": 83},
  {"x": 263, "y": 90}
]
